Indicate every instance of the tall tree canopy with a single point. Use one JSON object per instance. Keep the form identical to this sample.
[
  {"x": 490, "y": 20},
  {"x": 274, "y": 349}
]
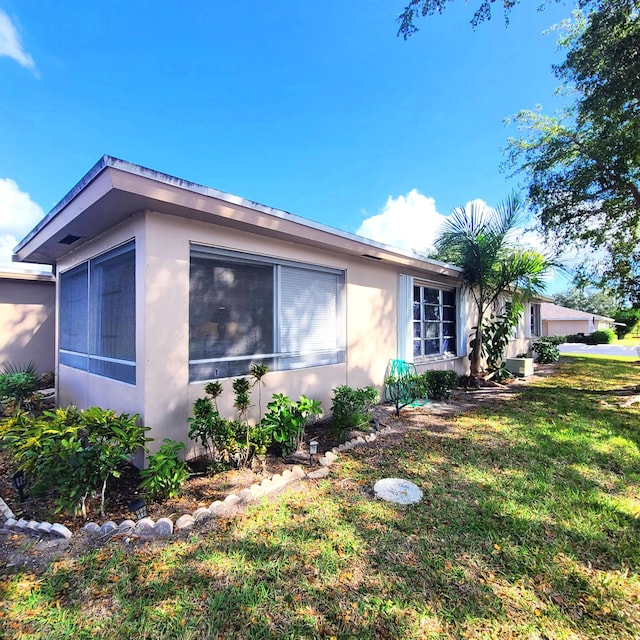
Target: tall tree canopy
[
  {"x": 417, "y": 9},
  {"x": 582, "y": 168},
  {"x": 480, "y": 241},
  {"x": 589, "y": 300}
]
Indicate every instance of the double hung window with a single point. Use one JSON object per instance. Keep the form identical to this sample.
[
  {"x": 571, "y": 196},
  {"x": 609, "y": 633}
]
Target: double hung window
[
  {"x": 245, "y": 309},
  {"x": 434, "y": 321},
  {"x": 98, "y": 315}
]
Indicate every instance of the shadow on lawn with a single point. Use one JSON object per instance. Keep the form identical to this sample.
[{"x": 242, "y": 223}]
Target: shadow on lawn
[{"x": 520, "y": 532}]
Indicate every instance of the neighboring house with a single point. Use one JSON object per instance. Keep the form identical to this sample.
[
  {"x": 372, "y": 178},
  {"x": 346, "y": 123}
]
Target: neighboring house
[
  {"x": 164, "y": 284},
  {"x": 557, "y": 320},
  {"x": 27, "y": 320}
]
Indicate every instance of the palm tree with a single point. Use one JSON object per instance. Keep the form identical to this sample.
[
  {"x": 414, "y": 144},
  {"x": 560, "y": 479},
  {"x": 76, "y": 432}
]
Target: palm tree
[{"x": 479, "y": 240}]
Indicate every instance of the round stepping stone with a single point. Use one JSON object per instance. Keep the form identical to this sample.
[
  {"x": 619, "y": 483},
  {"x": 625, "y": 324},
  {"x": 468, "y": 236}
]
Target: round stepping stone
[{"x": 398, "y": 491}]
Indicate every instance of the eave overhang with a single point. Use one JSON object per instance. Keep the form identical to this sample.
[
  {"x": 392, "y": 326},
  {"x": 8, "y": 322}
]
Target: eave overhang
[{"x": 113, "y": 190}]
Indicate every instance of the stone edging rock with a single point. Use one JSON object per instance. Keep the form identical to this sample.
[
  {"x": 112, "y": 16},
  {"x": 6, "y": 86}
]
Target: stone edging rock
[{"x": 164, "y": 527}]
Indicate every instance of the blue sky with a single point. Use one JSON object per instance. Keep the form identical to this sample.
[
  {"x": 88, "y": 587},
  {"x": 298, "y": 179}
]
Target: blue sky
[{"x": 316, "y": 109}]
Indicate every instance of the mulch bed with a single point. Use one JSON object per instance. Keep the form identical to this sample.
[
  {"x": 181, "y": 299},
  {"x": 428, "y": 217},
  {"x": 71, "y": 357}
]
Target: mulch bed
[{"x": 200, "y": 490}]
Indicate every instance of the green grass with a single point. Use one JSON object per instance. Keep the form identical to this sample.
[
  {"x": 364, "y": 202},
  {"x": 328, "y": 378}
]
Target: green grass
[
  {"x": 529, "y": 528},
  {"x": 602, "y": 357}
]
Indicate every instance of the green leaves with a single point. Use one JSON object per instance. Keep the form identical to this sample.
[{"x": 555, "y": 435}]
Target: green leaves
[
  {"x": 74, "y": 452},
  {"x": 582, "y": 169},
  {"x": 285, "y": 420},
  {"x": 479, "y": 240},
  {"x": 165, "y": 472},
  {"x": 352, "y": 408}
]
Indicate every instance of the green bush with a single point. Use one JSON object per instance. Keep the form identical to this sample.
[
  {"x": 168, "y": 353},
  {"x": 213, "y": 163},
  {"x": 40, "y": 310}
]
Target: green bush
[
  {"x": 352, "y": 408},
  {"x": 546, "y": 350},
  {"x": 73, "y": 452},
  {"x": 630, "y": 319},
  {"x": 17, "y": 388},
  {"x": 603, "y": 336},
  {"x": 165, "y": 472},
  {"x": 285, "y": 421},
  {"x": 434, "y": 384}
]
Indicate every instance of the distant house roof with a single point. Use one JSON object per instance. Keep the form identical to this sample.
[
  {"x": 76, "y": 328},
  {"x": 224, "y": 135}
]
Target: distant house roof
[
  {"x": 549, "y": 311},
  {"x": 7, "y": 274}
]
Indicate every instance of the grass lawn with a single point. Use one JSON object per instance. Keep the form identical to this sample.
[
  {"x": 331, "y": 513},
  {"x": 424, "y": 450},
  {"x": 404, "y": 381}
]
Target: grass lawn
[{"x": 529, "y": 529}]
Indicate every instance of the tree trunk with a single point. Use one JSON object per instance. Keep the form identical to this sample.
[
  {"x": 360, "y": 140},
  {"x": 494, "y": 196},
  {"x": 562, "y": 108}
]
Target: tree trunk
[{"x": 475, "y": 360}]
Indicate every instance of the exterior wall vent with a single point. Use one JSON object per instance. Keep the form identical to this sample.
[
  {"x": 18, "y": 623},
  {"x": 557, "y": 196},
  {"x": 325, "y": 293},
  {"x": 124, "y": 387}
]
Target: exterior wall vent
[{"x": 70, "y": 239}]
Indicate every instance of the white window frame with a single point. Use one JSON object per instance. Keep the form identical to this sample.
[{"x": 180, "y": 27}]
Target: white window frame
[
  {"x": 281, "y": 358},
  {"x": 441, "y": 290},
  {"x": 535, "y": 320}
]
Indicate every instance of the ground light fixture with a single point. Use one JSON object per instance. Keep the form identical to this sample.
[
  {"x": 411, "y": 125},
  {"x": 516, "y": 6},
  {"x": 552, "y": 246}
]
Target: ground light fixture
[
  {"x": 313, "y": 449},
  {"x": 139, "y": 508},
  {"x": 19, "y": 482}
]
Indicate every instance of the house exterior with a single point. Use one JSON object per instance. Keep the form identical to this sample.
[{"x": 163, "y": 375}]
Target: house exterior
[
  {"x": 557, "y": 320},
  {"x": 27, "y": 319},
  {"x": 164, "y": 285}
]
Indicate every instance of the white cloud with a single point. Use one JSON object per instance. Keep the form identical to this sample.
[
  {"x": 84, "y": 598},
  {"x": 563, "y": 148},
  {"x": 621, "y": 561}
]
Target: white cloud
[
  {"x": 18, "y": 215},
  {"x": 408, "y": 222},
  {"x": 10, "y": 44}
]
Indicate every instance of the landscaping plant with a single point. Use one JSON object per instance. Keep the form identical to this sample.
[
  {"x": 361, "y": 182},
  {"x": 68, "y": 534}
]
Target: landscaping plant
[
  {"x": 435, "y": 384},
  {"x": 259, "y": 371},
  {"x": 285, "y": 421},
  {"x": 165, "y": 472},
  {"x": 352, "y": 408},
  {"x": 17, "y": 388},
  {"x": 73, "y": 452},
  {"x": 546, "y": 350},
  {"x": 497, "y": 333}
]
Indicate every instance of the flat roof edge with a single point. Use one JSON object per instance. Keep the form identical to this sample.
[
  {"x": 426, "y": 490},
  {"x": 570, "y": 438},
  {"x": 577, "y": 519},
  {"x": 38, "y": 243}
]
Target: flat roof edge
[
  {"x": 88, "y": 177},
  {"x": 111, "y": 162},
  {"x": 26, "y": 275},
  {"x": 211, "y": 192}
]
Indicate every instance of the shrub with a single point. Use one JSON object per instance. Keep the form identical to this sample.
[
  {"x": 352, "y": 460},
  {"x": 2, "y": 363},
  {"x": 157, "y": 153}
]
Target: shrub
[
  {"x": 165, "y": 472},
  {"x": 16, "y": 388},
  {"x": 435, "y": 384},
  {"x": 285, "y": 421},
  {"x": 546, "y": 350},
  {"x": 630, "y": 319},
  {"x": 352, "y": 408},
  {"x": 73, "y": 452},
  {"x": 603, "y": 336}
]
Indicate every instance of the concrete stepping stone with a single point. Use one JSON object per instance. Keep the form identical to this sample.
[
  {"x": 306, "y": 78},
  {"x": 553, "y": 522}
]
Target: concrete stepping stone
[{"x": 398, "y": 491}]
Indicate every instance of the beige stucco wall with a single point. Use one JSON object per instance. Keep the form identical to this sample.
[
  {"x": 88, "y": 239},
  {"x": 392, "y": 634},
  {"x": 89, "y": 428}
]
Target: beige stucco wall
[
  {"x": 27, "y": 322},
  {"x": 370, "y": 323},
  {"x": 565, "y": 327},
  {"x": 163, "y": 395}
]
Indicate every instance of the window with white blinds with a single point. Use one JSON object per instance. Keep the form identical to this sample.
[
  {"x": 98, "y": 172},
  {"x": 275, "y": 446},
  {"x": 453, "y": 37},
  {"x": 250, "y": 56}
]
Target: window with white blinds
[
  {"x": 97, "y": 315},
  {"x": 245, "y": 309}
]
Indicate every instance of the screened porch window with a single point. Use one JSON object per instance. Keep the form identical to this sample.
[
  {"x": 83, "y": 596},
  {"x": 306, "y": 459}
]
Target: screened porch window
[
  {"x": 97, "y": 315},
  {"x": 244, "y": 309},
  {"x": 434, "y": 321}
]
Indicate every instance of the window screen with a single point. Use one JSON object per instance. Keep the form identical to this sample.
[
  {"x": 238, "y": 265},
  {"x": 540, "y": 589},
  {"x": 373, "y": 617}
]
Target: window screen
[{"x": 97, "y": 315}]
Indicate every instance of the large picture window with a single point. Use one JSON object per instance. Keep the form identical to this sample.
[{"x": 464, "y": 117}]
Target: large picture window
[
  {"x": 245, "y": 309},
  {"x": 434, "y": 321},
  {"x": 98, "y": 315}
]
